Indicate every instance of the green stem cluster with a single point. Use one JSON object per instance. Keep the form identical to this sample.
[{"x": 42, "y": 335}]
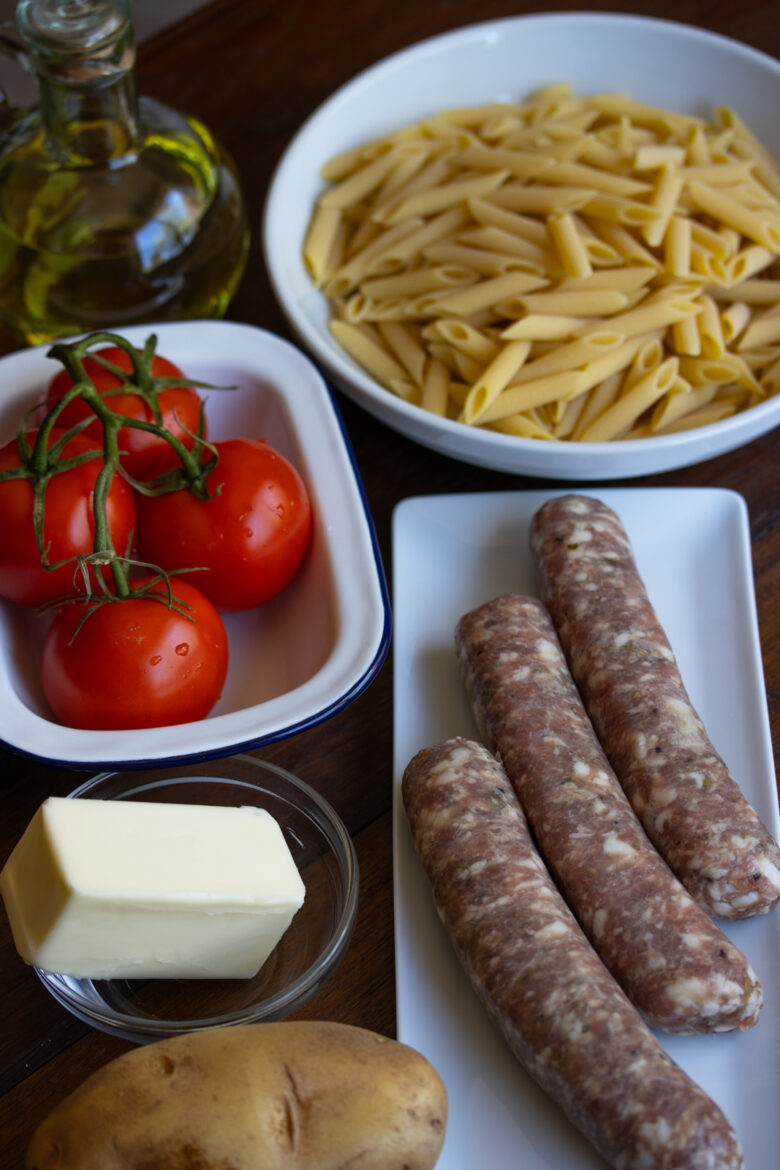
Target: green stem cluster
[{"x": 40, "y": 461}]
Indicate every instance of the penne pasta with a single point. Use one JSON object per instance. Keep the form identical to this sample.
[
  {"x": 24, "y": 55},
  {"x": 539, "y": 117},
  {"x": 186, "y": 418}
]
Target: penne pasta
[
  {"x": 597, "y": 400},
  {"x": 751, "y": 292},
  {"x": 521, "y": 397},
  {"x": 745, "y": 144},
  {"x": 702, "y": 417},
  {"x": 463, "y": 336},
  {"x": 481, "y": 260},
  {"x": 494, "y": 379},
  {"x": 621, "y": 415},
  {"x": 748, "y": 262},
  {"x": 681, "y": 400},
  {"x": 664, "y": 201},
  {"x": 569, "y": 245},
  {"x": 624, "y": 279},
  {"x": 405, "y": 346},
  {"x": 685, "y": 337},
  {"x": 487, "y": 293},
  {"x": 677, "y": 246},
  {"x": 367, "y": 351},
  {"x": 711, "y": 341},
  {"x": 360, "y": 182},
  {"x": 435, "y": 393},
  {"x": 523, "y": 226},
  {"x": 763, "y": 330},
  {"x": 733, "y": 320},
  {"x": 524, "y": 426},
  {"x": 323, "y": 240},
  {"x": 349, "y": 274},
  {"x": 562, "y": 268},
  {"x": 543, "y": 327},
  {"x": 763, "y": 229},
  {"x": 541, "y": 200},
  {"x": 572, "y": 302},
  {"x": 496, "y": 239},
  {"x": 438, "y": 198}
]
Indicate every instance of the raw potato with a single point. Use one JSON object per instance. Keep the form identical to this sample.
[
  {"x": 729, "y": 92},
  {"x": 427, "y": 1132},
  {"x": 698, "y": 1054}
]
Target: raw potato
[{"x": 297, "y": 1095}]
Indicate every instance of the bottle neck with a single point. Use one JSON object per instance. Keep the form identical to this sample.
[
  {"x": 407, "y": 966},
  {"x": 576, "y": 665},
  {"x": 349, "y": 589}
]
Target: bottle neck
[
  {"x": 93, "y": 123},
  {"x": 82, "y": 55}
]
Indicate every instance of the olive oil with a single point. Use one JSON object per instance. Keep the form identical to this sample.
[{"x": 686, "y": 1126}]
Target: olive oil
[{"x": 113, "y": 209}]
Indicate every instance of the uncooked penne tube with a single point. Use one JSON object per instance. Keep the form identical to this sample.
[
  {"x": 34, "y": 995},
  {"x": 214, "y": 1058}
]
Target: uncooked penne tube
[
  {"x": 320, "y": 242},
  {"x": 569, "y": 245},
  {"x": 487, "y": 292},
  {"x": 756, "y": 226},
  {"x": 590, "y": 302},
  {"x": 496, "y": 377},
  {"x": 522, "y": 396},
  {"x": 435, "y": 388},
  {"x": 401, "y": 341},
  {"x": 438, "y": 198},
  {"x": 764, "y": 329},
  {"x": 627, "y": 408},
  {"x": 368, "y": 352},
  {"x": 597, "y": 237}
]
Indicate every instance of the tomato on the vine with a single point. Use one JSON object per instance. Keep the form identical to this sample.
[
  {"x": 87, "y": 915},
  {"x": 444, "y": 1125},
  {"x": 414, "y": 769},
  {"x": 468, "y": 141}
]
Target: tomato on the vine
[
  {"x": 180, "y": 407},
  {"x": 135, "y": 662},
  {"x": 248, "y": 541},
  {"x": 68, "y": 524}
]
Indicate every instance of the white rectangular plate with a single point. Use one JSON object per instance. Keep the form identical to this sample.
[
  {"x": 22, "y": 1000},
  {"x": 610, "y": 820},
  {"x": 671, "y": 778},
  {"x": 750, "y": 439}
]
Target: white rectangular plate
[{"x": 450, "y": 553}]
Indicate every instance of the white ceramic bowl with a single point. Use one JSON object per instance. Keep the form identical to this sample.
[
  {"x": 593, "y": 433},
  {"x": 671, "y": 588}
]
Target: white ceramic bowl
[
  {"x": 307, "y": 953},
  {"x": 295, "y": 661},
  {"x": 668, "y": 64}
]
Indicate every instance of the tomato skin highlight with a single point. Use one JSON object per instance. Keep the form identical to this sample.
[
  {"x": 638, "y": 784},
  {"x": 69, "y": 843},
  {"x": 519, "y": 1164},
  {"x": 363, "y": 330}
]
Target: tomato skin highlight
[
  {"x": 68, "y": 526},
  {"x": 135, "y": 663},
  {"x": 250, "y": 539},
  {"x": 180, "y": 406}
]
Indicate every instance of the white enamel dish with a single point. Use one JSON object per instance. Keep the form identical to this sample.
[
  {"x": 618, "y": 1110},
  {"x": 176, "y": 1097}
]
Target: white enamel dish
[
  {"x": 451, "y": 553},
  {"x": 295, "y": 661},
  {"x": 655, "y": 61}
]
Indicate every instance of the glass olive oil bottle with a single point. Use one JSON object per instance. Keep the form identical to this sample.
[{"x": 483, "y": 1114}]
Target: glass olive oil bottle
[{"x": 114, "y": 209}]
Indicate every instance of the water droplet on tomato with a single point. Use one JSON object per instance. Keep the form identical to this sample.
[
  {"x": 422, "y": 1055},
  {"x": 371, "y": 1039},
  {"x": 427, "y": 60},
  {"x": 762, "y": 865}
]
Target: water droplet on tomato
[
  {"x": 155, "y": 659},
  {"x": 183, "y": 648}
]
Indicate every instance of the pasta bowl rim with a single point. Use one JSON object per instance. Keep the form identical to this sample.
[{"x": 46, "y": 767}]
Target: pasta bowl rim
[{"x": 331, "y": 128}]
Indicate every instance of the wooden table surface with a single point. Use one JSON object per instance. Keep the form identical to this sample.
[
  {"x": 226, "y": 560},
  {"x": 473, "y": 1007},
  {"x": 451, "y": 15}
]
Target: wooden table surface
[{"x": 253, "y": 70}]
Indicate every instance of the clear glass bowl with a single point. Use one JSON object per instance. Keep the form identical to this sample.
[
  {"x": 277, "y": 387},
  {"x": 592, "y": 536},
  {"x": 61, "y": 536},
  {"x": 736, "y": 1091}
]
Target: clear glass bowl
[{"x": 305, "y": 957}]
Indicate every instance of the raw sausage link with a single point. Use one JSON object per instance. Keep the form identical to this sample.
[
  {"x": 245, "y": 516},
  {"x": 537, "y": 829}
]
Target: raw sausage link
[
  {"x": 618, "y": 653},
  {"x": 668, "y": 955},
  {"x": 561, "y": 1012}
]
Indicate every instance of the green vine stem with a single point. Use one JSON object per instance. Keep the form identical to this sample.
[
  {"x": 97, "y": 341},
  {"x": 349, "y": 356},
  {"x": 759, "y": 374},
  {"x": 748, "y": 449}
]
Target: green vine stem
[
  {"x": 141, "y": 381},
  {"x": 41, "y": 460}
]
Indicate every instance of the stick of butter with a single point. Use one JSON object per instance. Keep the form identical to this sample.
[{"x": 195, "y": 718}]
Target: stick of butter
[{"x": 115, "y": 889}]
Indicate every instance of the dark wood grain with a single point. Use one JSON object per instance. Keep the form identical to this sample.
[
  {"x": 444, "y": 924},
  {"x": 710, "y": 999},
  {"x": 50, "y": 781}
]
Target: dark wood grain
[{"x": 253, "y": 72}]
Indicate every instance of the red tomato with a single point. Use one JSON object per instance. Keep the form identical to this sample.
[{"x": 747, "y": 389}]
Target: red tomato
[
  {"x": 135, "y": 663},
  {"x": 250, "y": 539},
  {"x": 68, "y": 526},
  {"x": 180, "y": 406}
]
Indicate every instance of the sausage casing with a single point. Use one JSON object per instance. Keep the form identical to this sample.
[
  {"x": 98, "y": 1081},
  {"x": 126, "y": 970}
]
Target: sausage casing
[
  {"x": 668, "y": 955},
  {"x": 624, "y": 667},
  {"x": 561, "y": 1012}
]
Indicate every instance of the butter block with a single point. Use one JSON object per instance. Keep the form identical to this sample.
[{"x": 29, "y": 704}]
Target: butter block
[{"x": 108, "y": 889}]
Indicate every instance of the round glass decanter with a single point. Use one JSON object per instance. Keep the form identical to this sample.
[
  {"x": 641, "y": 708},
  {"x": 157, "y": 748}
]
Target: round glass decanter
[{"x": 114, "y": 208}]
